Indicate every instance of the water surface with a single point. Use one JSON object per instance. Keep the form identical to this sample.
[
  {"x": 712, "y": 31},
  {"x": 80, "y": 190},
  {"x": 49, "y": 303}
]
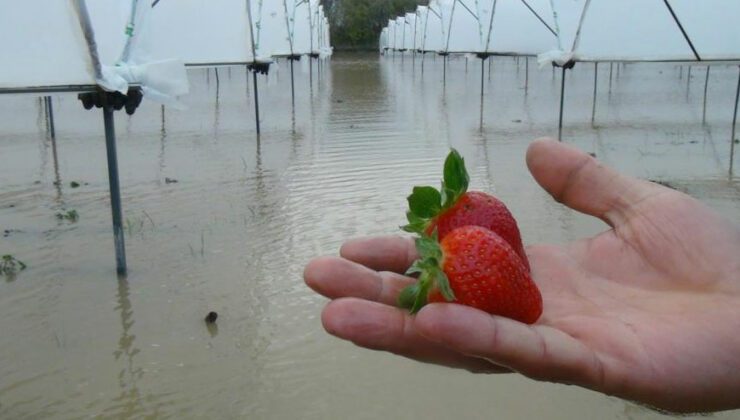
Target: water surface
[{"x": 234, "y": 232}]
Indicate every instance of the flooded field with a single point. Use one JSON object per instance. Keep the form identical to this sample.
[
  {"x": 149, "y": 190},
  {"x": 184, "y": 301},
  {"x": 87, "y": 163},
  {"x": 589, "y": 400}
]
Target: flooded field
[{"x": 219, "y": 219}]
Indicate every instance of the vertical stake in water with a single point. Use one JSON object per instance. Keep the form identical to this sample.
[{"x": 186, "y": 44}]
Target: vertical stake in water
[
  {"x": 704, "y": 107},
  {"x": 526, "y": 76},
  {"x": 596, "y": 79},
  {"x": 292, "y": 84},
  {"x": 734, "y": 124},
  {"x": 688, "y": 83},
  {"x": 611, "y": 71},
  {"x": 115, "y": 190},
  {"x": 444, "y": 69},
  {"x": 256, "y": 101},
  {"x": 482, "y": 86},
  {"x": 50, "y": 112},
  {"x": 562, "y": 101}
]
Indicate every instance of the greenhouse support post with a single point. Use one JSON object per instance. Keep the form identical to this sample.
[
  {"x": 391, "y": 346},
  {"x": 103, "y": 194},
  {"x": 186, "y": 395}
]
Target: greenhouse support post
[
  {"x": 115, "y": 189},
  {"x": 734, "y": 124}
]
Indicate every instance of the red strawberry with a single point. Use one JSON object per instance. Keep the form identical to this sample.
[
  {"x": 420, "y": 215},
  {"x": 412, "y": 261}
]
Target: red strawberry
[
  {"x": 455, "y": 207},
  {"x": 473, "y": 266}
]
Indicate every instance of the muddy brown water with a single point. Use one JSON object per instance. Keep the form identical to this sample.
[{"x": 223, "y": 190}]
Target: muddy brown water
[{"x": 245, "y": 214}]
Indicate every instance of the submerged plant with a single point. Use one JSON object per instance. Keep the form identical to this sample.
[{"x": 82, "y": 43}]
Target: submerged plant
[
  {"x": 9, "y": 265},
  {"x": 70, "y": 216}
]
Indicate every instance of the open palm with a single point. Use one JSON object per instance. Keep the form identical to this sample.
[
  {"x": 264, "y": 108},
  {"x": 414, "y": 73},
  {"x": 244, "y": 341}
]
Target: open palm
[{"x": 648, "y": 310}]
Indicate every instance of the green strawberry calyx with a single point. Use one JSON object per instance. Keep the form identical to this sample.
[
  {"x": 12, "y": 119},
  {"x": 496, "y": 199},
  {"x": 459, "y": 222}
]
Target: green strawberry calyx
[
  {"x": 431, "y": 275},
  {"x": 426, "y": 202}
]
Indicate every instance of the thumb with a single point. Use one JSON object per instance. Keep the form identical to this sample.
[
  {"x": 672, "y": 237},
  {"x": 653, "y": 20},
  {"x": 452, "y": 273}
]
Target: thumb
[{"x": 582, "y": 183}]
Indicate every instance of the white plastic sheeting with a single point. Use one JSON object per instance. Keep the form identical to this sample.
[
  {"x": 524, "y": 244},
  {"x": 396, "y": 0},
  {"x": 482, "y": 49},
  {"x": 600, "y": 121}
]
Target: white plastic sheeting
[
  {"x": 47, "y": 52},
  {"x": 516, "y": 27},
  {"x": 434, "y": 29},
  {"x": 124, "y": 40},
  {"x": 187, "y": 29},
  {"x": 383, "y": 41},
  {"x": 462, "y": 26},
  {"x": 299, "y": 26},
  {"x": 639, "y": 30},
  {"x": 583, "y": 30},
  {"x": 392, "y": 34},
  {"x": 409, "y": 35},
  {"x": 269, "y": 29},
  {"x": 77, "y": 44},
  {"x": 399, "y": 24}
]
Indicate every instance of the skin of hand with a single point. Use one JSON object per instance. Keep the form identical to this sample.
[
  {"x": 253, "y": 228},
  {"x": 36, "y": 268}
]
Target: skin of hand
[{"x": 648, "y": 310}]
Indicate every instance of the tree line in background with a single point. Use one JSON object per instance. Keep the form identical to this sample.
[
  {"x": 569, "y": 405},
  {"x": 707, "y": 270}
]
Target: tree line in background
[{"x": 356, "y": 24}]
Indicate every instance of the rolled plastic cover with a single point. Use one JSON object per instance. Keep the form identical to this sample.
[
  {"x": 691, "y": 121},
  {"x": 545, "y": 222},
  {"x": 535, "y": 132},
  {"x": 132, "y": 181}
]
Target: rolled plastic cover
[{"x": 124, "y": 44}]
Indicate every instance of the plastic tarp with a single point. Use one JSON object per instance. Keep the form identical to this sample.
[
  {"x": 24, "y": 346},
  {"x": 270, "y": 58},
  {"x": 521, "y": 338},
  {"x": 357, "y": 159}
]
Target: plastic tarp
[
  {"x": 462, "y": 26},
  {"x": 42, "y": 45},
  {"x": 124, "y": 39},
  {"x": 639, "y": 30},
  {"x": 421, "y": 12},
  {"x": 299, "y": 26},
  {"x": 326, "y": 48},
  {"x": 516, "y": 27},
  {"x": 201, "y": 32},
  {"x": 392, "y": 34},
  {"x": 434, "y": 29},
  {"x": 269, "y": 29},
  {"x": 409, "y": 35},
  {"x": 76, "y": 43},
  {"x": 313, "y": 6},
  {"x": 383, "y": 41},
  {"x": 399, "y": 33}
]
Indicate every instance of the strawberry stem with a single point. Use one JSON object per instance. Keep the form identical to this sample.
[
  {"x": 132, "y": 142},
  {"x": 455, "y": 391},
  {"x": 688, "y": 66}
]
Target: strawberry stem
[
  {"x": 426, "y": 203},
  {"x": 431, "y": 276}
]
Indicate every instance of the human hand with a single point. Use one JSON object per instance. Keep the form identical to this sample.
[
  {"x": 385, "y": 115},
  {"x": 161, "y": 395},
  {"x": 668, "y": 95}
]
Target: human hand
[{"x": 648, "y": 310}]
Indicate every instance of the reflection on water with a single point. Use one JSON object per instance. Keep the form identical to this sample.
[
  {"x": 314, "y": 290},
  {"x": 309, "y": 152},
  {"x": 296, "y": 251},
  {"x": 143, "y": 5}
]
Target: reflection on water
[{"x": 247, "y": 212}]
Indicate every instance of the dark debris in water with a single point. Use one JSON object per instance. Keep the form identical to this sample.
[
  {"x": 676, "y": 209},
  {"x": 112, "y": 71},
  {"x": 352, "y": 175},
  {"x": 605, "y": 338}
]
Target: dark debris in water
[
  {"x": 8, "y": 232},
  {"x": 170, "y": 181},
  {"x": 211, "y": 317},
  {"x": 592, "y": 154}
]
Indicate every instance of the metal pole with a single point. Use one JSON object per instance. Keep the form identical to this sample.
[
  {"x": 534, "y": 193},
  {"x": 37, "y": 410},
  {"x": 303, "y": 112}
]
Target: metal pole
[
  {"x": 734, "y": 124},
  {"x": 256, "y": 101},
  {"x": 611, "y": 71},
  {"x": 218, "y": 81},
  {"x": 526, "y": 76},
  {"x": 562, "y": 99},
  {"x": 596, "y": 79},
  {"x": 482, "y": 76},
  {"x": 292, "y": 84},
  {"x": 115, "y": 192},
  {"x": 444, "y": 69},
  {"x": 706, "y": 86},
  {"x": 50, "y": 110},
  {"x": 688, "y": 83}
]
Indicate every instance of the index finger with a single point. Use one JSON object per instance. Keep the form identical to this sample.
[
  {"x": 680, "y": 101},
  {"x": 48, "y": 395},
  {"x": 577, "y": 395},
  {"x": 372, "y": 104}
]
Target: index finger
[{"x": 381, "y": 253}]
